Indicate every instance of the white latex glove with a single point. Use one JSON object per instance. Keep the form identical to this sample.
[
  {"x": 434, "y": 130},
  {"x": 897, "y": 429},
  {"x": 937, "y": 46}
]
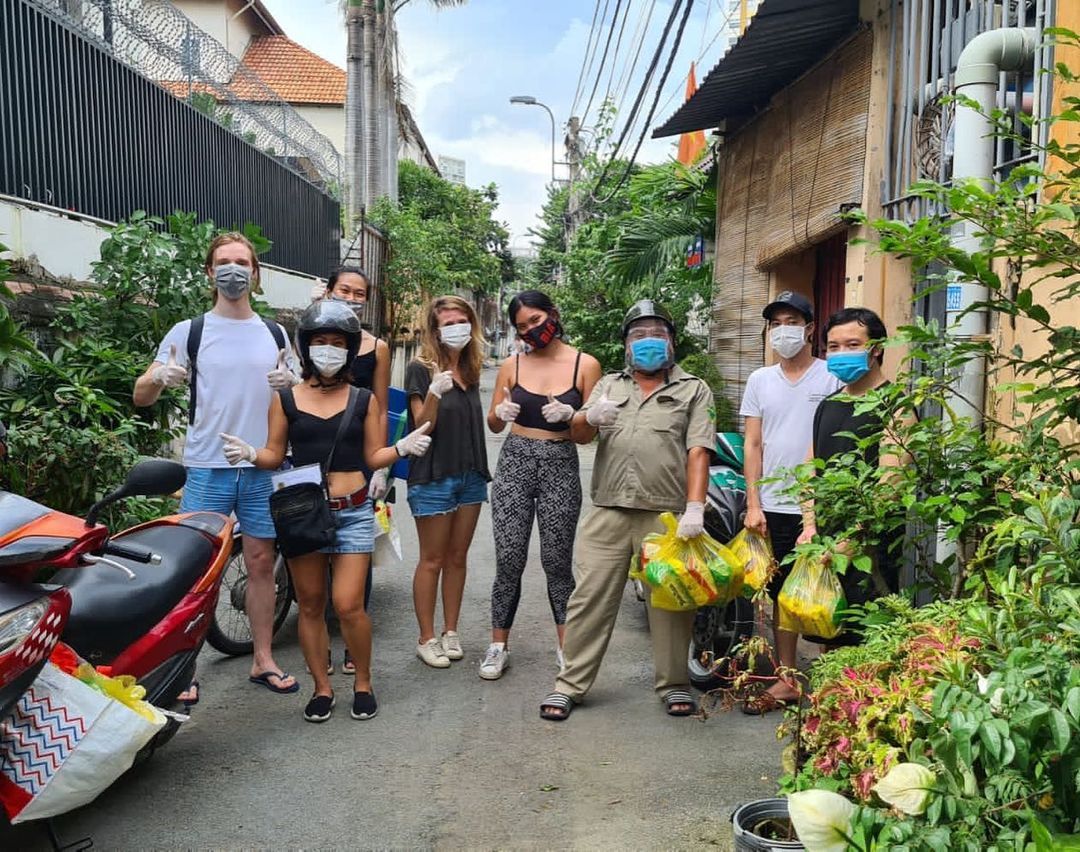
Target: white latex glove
[
  {"x": 440, "y": 384},
  {"x": 555, "y": 411},
  {"x": 506, "y": 410},
  {"x": 603, "y": 413},
  {"x": 378, "y": 485},
  {"x": 692, "y": 522},
  {"x": 416, "y": 443},
  {"x": 281, "y": 376},
  {"x": 171, "y": 374},
  {"x": 237, "y": 449},
  {"x": 318, "y": 290}
]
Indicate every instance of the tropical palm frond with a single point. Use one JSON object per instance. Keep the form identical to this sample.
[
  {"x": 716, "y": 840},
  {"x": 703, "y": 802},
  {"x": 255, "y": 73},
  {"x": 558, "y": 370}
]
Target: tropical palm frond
[{"x": 654, "y": 242}]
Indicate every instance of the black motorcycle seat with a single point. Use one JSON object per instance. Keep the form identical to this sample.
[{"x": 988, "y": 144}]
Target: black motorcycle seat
[{"x": 109, "y": 611}]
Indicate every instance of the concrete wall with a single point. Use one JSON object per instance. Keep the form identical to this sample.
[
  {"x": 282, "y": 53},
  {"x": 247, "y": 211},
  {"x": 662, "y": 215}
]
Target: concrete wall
[
  {"x": 328, "y": 119},
  {"x": 63, "y": 247},
  {"x": 214, "y": 17}
]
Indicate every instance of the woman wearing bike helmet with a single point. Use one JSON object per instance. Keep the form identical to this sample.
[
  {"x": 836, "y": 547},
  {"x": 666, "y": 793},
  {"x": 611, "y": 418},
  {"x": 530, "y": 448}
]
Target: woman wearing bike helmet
[{"x": 308, "y": 417}]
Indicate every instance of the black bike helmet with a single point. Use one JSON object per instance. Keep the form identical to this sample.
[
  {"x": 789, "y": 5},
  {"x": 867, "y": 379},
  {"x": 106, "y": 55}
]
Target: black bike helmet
[
  {"x": 647, "y": 309},
  {"x": 328, "y": 316}
]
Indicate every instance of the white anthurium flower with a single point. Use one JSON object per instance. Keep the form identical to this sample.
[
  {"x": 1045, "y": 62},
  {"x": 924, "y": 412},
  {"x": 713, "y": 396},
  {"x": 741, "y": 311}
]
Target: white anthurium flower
[
  {"x": 906, "y": 787},
  {"x": 996, "y": 699},
  {"x": 822, "y": 819},
  {"x": 983, "y": 682}
]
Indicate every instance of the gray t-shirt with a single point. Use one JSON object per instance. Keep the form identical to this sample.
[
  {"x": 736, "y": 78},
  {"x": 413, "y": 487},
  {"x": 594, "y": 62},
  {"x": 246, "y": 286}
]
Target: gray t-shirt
[
  {"x": 787, "y": 411},
  {"x": 457, "y": 442}
]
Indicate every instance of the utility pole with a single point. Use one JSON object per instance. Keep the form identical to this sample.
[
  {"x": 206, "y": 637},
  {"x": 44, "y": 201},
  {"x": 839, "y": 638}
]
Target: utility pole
[{"x": 573, "y": 160}]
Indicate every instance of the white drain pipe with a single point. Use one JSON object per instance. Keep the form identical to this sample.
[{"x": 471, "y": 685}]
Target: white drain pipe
[{"x": 977, "y": 76}]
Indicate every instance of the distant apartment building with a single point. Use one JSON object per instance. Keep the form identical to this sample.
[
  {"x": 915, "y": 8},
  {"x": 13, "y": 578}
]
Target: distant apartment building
[{"x": 452, "y": 169}]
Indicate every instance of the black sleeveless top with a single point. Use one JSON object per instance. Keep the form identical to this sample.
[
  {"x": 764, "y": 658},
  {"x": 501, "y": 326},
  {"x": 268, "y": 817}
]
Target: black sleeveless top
[
  {"x": 363, "y": 369},
  {"x": 531, "y": 403},
  {"x": 312, "y": 436}
]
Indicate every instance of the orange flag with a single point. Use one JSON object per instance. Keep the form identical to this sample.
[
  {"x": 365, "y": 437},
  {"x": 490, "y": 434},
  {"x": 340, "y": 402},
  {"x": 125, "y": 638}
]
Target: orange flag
[{"x": 691, "y": 144}]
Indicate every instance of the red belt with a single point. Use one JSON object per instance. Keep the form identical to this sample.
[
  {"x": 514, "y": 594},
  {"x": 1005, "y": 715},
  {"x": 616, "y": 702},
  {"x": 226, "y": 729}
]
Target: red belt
[{"x": 357, "y": 498}]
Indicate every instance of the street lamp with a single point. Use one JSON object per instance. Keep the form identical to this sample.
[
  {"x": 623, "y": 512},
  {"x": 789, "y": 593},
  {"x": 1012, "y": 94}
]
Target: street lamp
[{"x": 529, "y": 100}]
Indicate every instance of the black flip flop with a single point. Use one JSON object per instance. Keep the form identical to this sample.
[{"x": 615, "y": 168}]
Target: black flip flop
[
  {"x": 263, "y": 679},
  {"x": 556, "y": 701}
]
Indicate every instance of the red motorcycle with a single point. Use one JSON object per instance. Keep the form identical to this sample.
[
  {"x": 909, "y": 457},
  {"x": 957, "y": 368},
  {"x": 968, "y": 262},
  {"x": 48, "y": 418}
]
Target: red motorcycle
[{"x": 136, "y": 603}]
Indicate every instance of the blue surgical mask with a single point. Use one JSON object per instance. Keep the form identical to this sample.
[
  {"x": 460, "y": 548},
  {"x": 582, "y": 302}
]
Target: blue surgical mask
[
  {"x": 848, "y": 367},
  {"x": 649, "y": 354}
]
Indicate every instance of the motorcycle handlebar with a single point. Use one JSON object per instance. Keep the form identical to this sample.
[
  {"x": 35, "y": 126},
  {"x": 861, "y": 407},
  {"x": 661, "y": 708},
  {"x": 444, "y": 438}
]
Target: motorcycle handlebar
[{"x": 134, "y": 552}]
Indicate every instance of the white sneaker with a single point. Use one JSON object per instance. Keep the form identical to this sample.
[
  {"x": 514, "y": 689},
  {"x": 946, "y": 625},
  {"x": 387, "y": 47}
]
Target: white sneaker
[
  {"x": 560, "y": 658},
  {"x": 451, "y": 645},
  {"x": 496, "y": 661},
  {"x": 431, "y": 652}
]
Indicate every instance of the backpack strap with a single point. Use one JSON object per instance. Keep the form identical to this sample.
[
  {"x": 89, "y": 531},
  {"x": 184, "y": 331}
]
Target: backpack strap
[
  {"x": 193, "y": 342},
  {"x": 194, "y": 338}
]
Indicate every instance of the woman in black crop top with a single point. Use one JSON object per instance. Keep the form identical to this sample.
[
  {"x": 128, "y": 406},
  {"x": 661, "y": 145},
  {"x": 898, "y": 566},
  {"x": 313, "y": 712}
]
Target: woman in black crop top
[
  {"x": 536, "y": 393},
  {"x": 308, "y": 417},
  {"x": 371, "y": 366}
]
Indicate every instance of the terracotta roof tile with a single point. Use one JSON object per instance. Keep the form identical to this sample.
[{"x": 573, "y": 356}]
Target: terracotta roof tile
[{"x": 296, "y": 74}]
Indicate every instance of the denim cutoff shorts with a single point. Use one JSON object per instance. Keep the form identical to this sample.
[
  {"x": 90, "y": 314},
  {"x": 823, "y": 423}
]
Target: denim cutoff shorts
[
  {"x": 448, "y": 494},
  {"x": 244, "y": 491},
  {"x": 355, "y": 529}
]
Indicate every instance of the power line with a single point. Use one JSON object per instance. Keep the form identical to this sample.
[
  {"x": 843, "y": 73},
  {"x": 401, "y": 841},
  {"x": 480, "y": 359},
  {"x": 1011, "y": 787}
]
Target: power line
[
  {"x": 641, "y": 92},
  {"x": 652, "y": 110},
  {"x": 623, "y": 86},
  {"x": 618, "y": 46},
  {"x": 585, "y": 59},
  {"x": 603, "y": 59}
]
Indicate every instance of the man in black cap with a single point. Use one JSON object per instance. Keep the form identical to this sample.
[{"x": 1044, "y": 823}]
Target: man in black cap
[{"x": 778, "y": 406}]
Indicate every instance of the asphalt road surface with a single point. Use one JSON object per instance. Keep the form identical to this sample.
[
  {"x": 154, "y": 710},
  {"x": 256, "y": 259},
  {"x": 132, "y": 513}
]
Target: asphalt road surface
[{"x": 451, "y": 761}]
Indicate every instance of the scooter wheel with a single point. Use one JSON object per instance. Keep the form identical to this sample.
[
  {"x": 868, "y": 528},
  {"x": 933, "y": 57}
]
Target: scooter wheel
[
  {"x": 230, "y": 631},
  {"x": 717, "y": 632}
]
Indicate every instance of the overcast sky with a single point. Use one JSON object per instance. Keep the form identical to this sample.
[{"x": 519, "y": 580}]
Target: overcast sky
[{"x": 463, "y": 64}]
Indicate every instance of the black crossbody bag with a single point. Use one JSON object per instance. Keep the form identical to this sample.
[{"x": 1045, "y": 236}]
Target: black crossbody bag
[{"x": 301, "y": 512}]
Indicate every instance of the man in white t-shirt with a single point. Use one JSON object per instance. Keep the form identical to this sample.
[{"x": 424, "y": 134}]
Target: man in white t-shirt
[
  {"x": 241, "y": 361},
  {"x": 778, "y": 406}
]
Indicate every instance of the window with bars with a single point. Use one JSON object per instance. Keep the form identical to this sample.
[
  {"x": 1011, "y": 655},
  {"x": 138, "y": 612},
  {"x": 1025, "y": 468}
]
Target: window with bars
[{"x": 926, "y": 38}]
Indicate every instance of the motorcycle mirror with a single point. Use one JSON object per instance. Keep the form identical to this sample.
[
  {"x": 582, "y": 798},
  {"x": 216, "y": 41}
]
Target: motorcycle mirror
[{"x": 148, "y": 478}]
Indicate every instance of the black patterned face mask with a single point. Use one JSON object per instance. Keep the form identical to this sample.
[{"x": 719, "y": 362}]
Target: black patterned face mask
[{"x": 541, "y": 335}]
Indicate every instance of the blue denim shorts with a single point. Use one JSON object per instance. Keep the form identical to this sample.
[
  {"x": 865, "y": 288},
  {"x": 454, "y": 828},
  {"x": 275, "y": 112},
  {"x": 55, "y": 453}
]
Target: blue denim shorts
[
  {"x": 447, "y": 494},
  {"x": 244, "y": 491},
  {"x": 355, "y": 529}
]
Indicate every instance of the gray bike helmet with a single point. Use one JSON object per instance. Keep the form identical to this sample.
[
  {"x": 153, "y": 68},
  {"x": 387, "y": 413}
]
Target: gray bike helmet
[
  {"x": 328, "y": 316},
  {"x": 647, "y": 309}
]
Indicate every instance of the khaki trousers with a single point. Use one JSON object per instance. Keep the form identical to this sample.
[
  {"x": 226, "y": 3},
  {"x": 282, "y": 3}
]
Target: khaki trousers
[{"x": 606, "y": 541}]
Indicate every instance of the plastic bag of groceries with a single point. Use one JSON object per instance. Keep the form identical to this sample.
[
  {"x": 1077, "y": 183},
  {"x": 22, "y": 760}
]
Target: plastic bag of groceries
[
  {"x": 812, "y": 601},
  {"x": 754, "y": 552},
  {"x": 685, "y": 574},
  {"x": 71, "y": 735}
]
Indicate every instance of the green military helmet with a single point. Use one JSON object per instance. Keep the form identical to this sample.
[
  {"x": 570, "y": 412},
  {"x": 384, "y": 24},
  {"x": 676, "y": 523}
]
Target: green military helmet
[{"x": 647, "y": 309}]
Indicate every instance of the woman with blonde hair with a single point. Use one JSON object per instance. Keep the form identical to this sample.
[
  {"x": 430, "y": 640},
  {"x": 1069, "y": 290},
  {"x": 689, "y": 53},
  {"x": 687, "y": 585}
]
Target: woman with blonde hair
[{"x": 448, "y": 484}]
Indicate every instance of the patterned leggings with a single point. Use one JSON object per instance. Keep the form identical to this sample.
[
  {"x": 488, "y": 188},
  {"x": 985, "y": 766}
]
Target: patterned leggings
[{"x": 534, "y": 477}]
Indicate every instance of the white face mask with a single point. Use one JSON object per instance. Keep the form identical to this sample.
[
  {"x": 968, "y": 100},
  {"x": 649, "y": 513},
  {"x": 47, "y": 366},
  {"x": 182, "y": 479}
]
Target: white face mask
[
  {"x": 456, "y": 336},
  {"x": 328, "y": 360},
  {"x": 788, "y": 340}
]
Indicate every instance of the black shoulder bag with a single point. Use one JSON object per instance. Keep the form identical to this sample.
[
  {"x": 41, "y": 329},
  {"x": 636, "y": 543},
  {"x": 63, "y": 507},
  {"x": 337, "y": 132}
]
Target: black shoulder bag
[{"x": 301, "y": 512}]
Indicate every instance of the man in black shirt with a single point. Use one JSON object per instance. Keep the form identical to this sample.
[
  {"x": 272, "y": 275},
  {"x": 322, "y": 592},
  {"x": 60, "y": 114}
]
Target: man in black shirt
[{"x": 854, "y": 354}]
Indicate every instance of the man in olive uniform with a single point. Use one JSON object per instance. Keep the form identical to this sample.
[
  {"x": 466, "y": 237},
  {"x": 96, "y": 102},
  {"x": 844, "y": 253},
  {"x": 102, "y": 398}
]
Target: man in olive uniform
[{"x": 655, "y": 423}]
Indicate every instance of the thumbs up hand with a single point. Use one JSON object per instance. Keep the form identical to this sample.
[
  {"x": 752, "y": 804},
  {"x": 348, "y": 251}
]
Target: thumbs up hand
[
  {"x": 236, "y": 449},
  {"x": 416, "y": 443},
  {"x": 603, "y": 412},
  {"x": 170, "y": 374},
  {"x": 506, "y": 410},
  {"x": 281, "y": 376},
  {"x": 441, "y": 383},
  {"x": 318, "y": 290},
  {"x": 555, "y": 411}
]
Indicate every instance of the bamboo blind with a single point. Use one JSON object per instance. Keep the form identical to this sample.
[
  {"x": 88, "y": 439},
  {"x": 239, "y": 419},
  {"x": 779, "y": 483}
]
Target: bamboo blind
[{"x": 781, "y": 182}]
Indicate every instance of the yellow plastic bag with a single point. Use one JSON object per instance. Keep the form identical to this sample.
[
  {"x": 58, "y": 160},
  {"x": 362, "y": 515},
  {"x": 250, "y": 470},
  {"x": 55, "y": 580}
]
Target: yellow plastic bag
[
  {"x": 685, "y": 574},
  {"x": 812, "y": 600},
  {"x": 122, "y": 688},
  {"x": 754, "y": 553}
]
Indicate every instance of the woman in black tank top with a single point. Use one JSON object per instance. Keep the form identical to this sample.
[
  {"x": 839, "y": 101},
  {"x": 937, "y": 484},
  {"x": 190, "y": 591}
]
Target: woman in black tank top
[
  {"x": 537, "y": 476},
  {"x": 330, "y": 423},
  {"x": 371, "y": 366}
]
